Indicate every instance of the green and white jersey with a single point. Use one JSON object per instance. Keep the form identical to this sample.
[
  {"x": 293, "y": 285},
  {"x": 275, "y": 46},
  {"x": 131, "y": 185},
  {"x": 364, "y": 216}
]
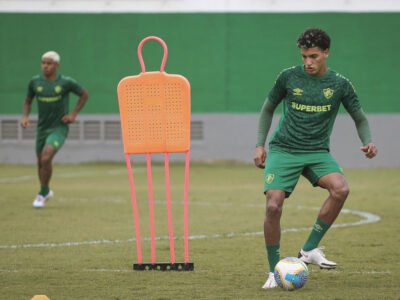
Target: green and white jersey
[
  {"x": 310, "y": 106},
  {"x": 52, "y": 97}
]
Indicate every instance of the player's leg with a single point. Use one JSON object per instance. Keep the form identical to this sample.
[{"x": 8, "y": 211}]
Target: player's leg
[
  {"x": 41, "y": 137},
  {"x": 281, "y": 175},
  {"x": 272, "y": 232},
  {"x": 338, "y": 189},
  {"x": 45, "y": 168},
  {"x": 273, "y": 213},
  {"x": 328, "y": 175},
  {"x": 45, "y": 154}
]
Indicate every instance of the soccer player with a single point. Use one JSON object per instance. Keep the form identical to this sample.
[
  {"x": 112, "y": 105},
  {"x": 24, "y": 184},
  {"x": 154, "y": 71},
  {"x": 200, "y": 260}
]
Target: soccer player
[
  {"x": 311, "y": 95},
  {"x": 51, "y": 91}
]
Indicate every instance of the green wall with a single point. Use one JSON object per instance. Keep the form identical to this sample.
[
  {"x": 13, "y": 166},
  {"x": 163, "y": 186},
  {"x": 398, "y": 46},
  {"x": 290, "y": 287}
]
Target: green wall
[{"x": 230, "y": 59}]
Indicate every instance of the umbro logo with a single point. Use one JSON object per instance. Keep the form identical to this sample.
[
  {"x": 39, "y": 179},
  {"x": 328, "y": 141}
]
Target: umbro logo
[{"x": 297, "y": 92}]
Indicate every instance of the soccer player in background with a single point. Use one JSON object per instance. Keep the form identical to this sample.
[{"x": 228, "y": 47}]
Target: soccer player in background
[
  {"x": 51, "y": 91},
  {"x": 311, "y": 95}
]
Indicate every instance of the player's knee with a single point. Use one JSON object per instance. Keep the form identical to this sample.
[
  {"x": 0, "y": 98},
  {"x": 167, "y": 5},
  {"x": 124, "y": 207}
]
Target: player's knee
[
  {"x": 275, "y": 200},
  {"x": 46, "y": 159},
  {"x": 47, "y": 155},
  {"x": 273, "y": 210},
  {"x": 340, "y": 192}
]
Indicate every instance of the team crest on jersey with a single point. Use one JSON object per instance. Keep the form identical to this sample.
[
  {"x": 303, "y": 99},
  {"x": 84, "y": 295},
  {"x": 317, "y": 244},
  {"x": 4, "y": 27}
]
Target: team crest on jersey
[
  {"x": 39, "y": 89},
  {"x": 58, "y": 89},
  {"x": 270, "y": 177},
  {"x": 328, "y": 93},
  {"x": 297, "y": 92}
]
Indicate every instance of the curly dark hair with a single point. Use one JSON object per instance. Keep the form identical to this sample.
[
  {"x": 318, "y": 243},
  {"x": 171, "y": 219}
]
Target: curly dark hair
[{"x": 314, "y": 37}]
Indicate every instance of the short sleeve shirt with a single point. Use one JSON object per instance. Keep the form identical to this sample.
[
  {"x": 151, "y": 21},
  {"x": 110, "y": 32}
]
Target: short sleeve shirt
[{"x": 52, "y": 97}]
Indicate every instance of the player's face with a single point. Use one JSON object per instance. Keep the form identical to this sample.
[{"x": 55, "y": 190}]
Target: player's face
[
  {"x": 49, "y": 67},
  {"x": 314, "y": 60}
]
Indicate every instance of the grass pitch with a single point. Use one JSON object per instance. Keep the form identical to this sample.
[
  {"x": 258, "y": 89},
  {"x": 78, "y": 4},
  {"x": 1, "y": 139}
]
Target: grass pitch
[{"x": 81, "y": 245}]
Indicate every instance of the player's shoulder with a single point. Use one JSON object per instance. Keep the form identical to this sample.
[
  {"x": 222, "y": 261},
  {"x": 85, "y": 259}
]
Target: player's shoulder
[
  {"x": 66, "y": 78},
  {"x": 343, "y": 81},
  {"x": 35, "y": 78},
  {"x": 291, "y": 70},
  {"x": 339, "y": 77}
]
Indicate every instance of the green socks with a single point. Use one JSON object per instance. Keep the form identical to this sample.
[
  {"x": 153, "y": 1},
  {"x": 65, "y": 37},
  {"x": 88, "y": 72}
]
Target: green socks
[
  {"x": 316, "y": 235},
  {"x": 273, "y": 256},
  {"x": 44, "y": 190}
]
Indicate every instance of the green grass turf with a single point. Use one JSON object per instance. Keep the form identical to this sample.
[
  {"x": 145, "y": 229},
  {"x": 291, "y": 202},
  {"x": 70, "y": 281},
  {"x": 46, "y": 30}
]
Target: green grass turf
[{"x": 92, "y": 203}]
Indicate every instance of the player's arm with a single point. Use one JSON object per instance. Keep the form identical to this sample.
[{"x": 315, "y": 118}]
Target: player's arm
[
  {"x": 353, "y": 107},
  {"x": 83, "y": 97},
  {"x": 26, "y": 109},
  {"x": 264, "y": 124},
  {"x": 364, "y": 133},
  {"x": 275, "y": 96}
]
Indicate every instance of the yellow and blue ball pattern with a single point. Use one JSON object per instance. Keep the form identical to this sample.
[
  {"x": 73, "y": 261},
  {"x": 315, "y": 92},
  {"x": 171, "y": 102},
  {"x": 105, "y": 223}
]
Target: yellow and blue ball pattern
[{"x": 291, "y": 273}]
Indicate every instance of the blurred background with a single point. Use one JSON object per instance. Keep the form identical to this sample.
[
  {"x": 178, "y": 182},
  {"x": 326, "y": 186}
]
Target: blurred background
[{"x": 230, "y": 51}]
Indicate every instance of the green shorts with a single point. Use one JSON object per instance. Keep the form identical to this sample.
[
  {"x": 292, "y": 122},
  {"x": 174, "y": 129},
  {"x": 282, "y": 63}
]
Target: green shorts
[
  {"x": 283, "y": 169},
  {"x": 54, "y": 137}
]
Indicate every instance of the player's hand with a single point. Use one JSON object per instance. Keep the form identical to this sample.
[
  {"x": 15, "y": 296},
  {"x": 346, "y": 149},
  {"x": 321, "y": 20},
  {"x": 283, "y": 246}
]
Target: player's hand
[
  {"x": 70, "y": 118},
  {"x": 370, "y": 150},
  {"x": 259, "y": 157},
  {"x": 24, "y": 122}
]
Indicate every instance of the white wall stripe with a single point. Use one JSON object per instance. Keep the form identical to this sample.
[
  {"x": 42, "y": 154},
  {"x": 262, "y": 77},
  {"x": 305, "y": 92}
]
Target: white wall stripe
[{"x": 202, "y": 6}]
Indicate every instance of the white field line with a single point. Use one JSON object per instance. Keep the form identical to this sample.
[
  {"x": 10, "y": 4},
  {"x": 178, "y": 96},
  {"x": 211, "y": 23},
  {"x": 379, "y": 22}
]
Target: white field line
[
  {"x": 125, "y": 270},
  {"x": 109, "y": 270},
  {"x": 365, "y": 218},
  {"x": 372, "y": 272},
  {"x": 17, "y": 179}
]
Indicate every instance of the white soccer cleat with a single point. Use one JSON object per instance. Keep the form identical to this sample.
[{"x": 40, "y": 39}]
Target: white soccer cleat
[
  {"x": 271, "y": 282},
  {"x": 40, "y": 201},
  {"x": 49, "y": 195},
  {"x": 316, "y": 257}
]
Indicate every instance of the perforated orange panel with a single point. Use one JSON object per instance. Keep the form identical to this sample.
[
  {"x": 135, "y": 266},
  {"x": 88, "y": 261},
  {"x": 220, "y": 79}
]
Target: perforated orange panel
[{"x": 155, "y": 113}]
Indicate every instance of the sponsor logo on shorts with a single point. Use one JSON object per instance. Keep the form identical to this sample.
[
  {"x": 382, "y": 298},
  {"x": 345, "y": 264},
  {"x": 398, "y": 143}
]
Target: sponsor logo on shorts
[
  {"x": 270, "y": 177},
  {"x": 56, "y": 144}
]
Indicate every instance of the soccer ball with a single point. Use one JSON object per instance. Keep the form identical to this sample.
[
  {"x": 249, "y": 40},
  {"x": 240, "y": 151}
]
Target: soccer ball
[{"x": 291, "y": 273}]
